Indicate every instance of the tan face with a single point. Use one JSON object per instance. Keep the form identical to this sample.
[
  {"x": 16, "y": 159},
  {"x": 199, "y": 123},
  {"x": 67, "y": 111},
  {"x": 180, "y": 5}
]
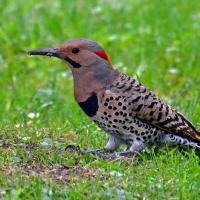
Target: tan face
[{"x": 79, "y": 53}]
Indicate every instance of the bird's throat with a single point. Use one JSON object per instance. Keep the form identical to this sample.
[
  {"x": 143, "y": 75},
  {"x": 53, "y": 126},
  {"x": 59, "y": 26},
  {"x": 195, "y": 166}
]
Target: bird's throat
[{"x": 88, "y": 82}]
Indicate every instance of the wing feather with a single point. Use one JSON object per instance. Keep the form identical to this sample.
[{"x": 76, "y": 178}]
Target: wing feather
[{"x": 146, "y": 106}]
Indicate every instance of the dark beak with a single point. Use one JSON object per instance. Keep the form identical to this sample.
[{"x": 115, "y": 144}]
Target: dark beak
[
  {"x": 55, "y": 53},
  {"x": 48, "y": 52}
]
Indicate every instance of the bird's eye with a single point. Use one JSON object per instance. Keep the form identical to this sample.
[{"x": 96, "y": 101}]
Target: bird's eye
[{"x": 75, "y": 50}]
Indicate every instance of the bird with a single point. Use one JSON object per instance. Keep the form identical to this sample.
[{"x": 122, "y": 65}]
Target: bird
[{"x": 126, "y": 110}]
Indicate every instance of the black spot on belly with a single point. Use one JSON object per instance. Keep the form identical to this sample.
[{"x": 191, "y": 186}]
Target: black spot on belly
[{"x": 90, "y": 106}]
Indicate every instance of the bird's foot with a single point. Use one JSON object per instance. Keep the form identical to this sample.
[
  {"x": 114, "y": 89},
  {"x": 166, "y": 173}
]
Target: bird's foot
[
  {"x": 78, "y": 150},
  {"x": 99, "y": 154},
  {"x": 72, "y": 147}
]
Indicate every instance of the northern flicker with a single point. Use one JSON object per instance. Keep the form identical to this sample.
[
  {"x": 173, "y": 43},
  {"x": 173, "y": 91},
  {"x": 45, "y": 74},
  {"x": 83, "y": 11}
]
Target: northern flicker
[{"x": 129, "y": 112}]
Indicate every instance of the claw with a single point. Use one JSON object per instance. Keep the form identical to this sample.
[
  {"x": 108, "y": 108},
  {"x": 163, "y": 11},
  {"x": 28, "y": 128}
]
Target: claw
[{"x": 72, "y": 147}]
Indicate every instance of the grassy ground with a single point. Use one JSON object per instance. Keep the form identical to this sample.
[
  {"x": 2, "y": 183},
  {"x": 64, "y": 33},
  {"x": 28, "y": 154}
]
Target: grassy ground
[{"x": 155, "y": 41}]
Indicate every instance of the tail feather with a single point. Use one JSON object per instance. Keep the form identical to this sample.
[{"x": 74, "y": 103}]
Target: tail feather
[{"x": 197, "y": 136}]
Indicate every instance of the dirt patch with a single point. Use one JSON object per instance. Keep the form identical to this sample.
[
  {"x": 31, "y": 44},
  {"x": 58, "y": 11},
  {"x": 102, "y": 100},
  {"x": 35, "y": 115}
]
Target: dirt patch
[{"x": 59, "y": 173}]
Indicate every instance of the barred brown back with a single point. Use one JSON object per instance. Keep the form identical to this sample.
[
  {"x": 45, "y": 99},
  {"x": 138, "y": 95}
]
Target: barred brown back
[{"x": 146, "y": 106}]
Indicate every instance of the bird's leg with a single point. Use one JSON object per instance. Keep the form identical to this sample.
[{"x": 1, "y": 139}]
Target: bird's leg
[
  {"x": 109, "y": 155},
  {"x": 99, "y": 154},
  {"x": 72, "y": 147},
  {"x": 112, "y": 144},
  {"x": 137, "y": 146}
]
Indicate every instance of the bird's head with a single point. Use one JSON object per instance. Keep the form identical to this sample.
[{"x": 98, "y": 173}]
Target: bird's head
[
  {"x": 89, "y": 63},
  {"x": 79, "y": 53}
]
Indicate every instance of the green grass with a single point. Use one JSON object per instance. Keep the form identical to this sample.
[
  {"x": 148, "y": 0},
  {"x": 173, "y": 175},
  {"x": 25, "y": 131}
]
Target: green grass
[{"x": 155, "y": 41}]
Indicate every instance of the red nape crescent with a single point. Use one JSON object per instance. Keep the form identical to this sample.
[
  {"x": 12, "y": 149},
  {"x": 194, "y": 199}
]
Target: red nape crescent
[{"x": 103, "y": 55}]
